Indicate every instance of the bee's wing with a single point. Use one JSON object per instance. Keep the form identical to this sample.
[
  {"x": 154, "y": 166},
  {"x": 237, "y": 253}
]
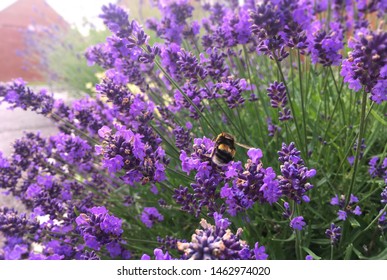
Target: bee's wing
[{"x": 243, "y": 146}]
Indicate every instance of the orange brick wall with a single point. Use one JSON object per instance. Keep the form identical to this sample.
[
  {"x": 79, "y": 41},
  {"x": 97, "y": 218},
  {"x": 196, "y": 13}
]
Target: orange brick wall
[{"x": 14, "y": 20}]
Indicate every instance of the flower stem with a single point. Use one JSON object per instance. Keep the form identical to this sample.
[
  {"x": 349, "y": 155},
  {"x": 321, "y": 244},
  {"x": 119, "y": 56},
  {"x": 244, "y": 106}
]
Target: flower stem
[
  {"x": 302, "y": 103},
  {"x": 291, "y": 104},
  {"x": 357, "y": 157},
  {"x": 298, "y": 248}
]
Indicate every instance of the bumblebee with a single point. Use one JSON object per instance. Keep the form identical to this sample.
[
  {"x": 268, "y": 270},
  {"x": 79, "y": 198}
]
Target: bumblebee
[{"x": 224, "y": 149}]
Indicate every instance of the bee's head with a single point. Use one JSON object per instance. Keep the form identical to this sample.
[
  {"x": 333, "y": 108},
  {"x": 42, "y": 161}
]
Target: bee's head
[{"x": 224, "y": 135}]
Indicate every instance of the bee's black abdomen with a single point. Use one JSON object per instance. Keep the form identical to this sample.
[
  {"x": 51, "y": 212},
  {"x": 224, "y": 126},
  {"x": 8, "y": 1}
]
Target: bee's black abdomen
[{"x": 223, "y": 156}]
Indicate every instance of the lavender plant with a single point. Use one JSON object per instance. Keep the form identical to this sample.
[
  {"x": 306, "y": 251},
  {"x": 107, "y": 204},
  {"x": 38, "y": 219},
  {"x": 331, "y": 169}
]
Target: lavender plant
[{"x": 133, "y": 173}]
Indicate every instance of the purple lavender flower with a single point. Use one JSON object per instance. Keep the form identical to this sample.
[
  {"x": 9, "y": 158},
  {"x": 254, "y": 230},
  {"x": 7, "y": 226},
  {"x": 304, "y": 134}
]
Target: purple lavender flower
[
  {"x": 325, "y": 47},
  {"x": 270, "y": 188},
  {"x": 150, "y": 216},
  {"x": 15, "y": 225},
  {"x": 169, "y": 56},
  {"x": 343, "y": 213},
  {"x": 366, "y": 64},
  {"x": 232, "y": 91},
  {"x": 272, "y": 128},
  {"x": 19, "y": 96},
  {"x": 293, "y": 181},
  {"x": 183, "y": 138},
  {"x": 159, "y": 255},
  {"x": 89, "y": 255},
  {"x": 297, "y": 223},
  {"x": 116, "y": 19},
  {"x": 382, "y": 221},
  {"x": 308, "y": 258},
  {"x": 219, "y": 243},
  {"x": 278, "y": 99},
  {"x": 267, "y": 22},
  {"x": 139, "y": 156},
  {"x": 378, "y": 168},
  {"x": 260, "y": 252},
  {"x": 189, "y": 67},
  {"x": 255, "y": 183},
  {"x": 98, "y": 228},
  {"x": 333, "y": 233},
  {"x": 384, "y": 196}
]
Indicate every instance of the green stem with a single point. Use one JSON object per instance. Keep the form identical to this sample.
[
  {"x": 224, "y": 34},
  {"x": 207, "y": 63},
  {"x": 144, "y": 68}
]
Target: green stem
[
  {"x": 185, "y": 95},
  {"x": 298, "y": 248},
  {"x": 302, "y": 102},
  {"x": 357, "y": 157},
  {"x": 338, "y": 92},
  {"x": 370, "y": 224},
  {"x": 290, "y": 102}
]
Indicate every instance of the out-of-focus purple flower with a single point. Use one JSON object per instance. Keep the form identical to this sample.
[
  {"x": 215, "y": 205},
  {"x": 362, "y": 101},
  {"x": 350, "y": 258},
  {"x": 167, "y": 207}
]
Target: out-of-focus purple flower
[
  {"x": 150, "y": 216},
  {"x": 382, "y": 221},
  {"x": 333, "y": 233},
  {"x": 89, "y": 255},
  {"x": 297, "y": 223},
  {"x": 343, "y": 213},
  {"x": 231, "y": 91},
  {"x": 378, "y": 168},
  {"x": 270, "y": 188},
  {"x": 255, "y": 155},
  {"x": 18, "y": 95},
  {"x": 117, "y": 20},
  {"x": 384, "y": 196},
  {"x": 260, "y": 252},
  {"x": 189, "y": 67},
  {"x": 272, "y": 128},
  {"x": 183, "y": 138},
  {"x": 169, "y": 56},
  {"x": 159, "y": 255},
  {"x": 14, "y": 225}
]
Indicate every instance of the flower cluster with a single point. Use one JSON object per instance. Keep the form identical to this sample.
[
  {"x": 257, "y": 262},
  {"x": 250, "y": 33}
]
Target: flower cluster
[
  {"x": 343, "y": 212},
  {"x": 294, "y": 179},
  {"x": 279, "y": 99},
  {"x": 217, "y": 242},
  {"x": 132, "y": 153},
  {"x": 150, "y": 216},
  {"x": 325, "y": 46},
  {"x": 366, "y": 64},
  {"x": 98, "y": 228},
  {"x": 254, "y": 183},
  {"x": 333, "y": 233}
]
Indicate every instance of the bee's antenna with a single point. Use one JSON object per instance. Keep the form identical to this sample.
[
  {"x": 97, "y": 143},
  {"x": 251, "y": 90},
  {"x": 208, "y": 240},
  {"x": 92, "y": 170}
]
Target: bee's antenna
[{"x": 243, "y": 146}]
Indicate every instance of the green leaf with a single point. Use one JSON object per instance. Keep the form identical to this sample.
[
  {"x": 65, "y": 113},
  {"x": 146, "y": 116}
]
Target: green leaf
[
  {"x": 378, "y": 118},
  {"x": 359, "y": 254},
  {"x": 348, "y": 252},
  {"x": 291, "y": 238},
  {"x": 321, "y": 241},
  {"x": 310, "y": 252},
  {"x": 381, "y": 256},
  {"x": 354, "y": 223}
]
